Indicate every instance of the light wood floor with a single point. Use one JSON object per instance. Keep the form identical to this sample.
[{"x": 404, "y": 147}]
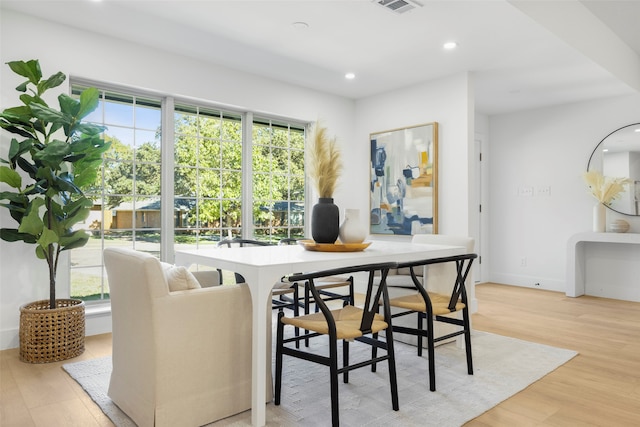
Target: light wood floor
[{"x": 599, "y": 387}]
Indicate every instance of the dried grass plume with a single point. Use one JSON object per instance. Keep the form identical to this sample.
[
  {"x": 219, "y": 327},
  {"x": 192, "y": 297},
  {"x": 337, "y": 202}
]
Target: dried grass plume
[
  {"x": 325, "y": 162},
  {"x": 604, "y": 188}
]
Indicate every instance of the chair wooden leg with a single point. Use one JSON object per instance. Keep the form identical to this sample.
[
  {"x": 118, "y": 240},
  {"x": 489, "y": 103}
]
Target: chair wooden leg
[
  {"x": 345, "y": 360},
  {"x": 374, "y": 354},
  {"x": 421, "y": 318},
  {"x": 279, "y": 345},
  {"x": 467, "y": 340},
  {"x": 352, "y": 298},
  {"x": 296, "y": 312},
  {"x": 307, "y": 302},
  {"x": 393, "y": 381},
  {"x": 333, "y": 368},
  {"x": 432, "y": 354}
]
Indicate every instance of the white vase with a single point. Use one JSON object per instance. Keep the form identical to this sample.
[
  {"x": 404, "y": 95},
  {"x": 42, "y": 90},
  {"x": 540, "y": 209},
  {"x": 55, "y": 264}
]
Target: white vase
[
  {"x": 352, "y": 230},
  {"x": 599, "y": 217}
]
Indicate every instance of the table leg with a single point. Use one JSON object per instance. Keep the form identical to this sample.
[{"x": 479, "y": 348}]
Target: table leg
[{"x": 259, "y": 297}]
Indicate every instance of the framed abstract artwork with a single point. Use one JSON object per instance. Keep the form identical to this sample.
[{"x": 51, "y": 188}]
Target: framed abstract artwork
[{"x": 404, "y": 180}]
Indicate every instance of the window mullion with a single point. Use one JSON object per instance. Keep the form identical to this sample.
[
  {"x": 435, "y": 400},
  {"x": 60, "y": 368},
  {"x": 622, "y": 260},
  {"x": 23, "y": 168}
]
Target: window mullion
[
  {"x": 167, "y": 192},
  {"x": 247, "y": 175},
  {"x": 308, "y": 201}
]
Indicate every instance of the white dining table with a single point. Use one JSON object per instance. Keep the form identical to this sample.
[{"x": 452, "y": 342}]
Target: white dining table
[{"x": 263, "y": 266}]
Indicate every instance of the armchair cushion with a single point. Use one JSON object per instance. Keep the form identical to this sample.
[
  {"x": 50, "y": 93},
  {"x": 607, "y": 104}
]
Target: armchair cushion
[
  {"x": 179, "y": 278},
  {"x": 207, "y": 278}
]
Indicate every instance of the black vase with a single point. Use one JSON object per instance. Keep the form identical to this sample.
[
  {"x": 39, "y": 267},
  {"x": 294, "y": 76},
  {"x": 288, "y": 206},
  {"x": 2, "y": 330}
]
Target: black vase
[{"x": 325, "y": 221}]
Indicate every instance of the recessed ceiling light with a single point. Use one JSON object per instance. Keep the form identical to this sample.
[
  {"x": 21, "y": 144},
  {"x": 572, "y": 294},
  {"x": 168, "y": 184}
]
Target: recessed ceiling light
[
  {"x": 300, "y": 25},
  {"x": 637, "y": 130},
  {"x": 450, "y": 45},
  {"x": 350, "y": 76}
]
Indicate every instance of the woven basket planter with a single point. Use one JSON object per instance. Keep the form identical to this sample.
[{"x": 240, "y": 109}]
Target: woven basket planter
[{"x": 50, "y": 335}]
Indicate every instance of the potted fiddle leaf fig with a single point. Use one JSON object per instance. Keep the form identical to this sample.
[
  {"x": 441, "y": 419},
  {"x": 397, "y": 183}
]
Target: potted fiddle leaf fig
[{"x": 52, "y": 155}]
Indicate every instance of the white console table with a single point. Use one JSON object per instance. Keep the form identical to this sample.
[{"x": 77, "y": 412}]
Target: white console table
[{"x": 575, "y": 256}]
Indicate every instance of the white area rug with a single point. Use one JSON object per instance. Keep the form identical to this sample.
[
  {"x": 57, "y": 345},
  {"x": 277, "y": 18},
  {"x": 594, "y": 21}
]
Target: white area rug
[{"x": 502, "y": 367}]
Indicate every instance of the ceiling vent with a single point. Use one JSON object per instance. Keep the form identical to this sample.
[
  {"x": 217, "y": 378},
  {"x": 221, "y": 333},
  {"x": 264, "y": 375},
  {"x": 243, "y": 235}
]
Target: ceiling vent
[{"x": 398, "y": 6}]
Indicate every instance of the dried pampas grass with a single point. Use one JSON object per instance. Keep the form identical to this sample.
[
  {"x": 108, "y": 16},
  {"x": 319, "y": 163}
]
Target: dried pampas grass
[
  {"x": 325, "y": 162},
  {"x": 605, "y": 189}
]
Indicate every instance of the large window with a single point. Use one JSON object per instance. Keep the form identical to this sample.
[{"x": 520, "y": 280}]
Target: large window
[
  {"x": 226, "y": 166},
  {"x": 278, "y": 180},
  {"x": 127, "y": 193},
  {"x": 208, "y": 174}
]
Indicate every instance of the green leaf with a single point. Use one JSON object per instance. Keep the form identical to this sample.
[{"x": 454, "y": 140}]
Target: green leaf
[
  {"x": 29, "y": 100},
  {"x": 54, "y": 81},
  {"x": 88, "y": 101},
  {"x": 13, "y": 235},
  {"x": 18, "y": 202},
  {"x": 40, "y": 252},
  {"x": 14, "y": 148},
  {"x": 81, "y": 144},
  {"x": 64, "y": 182},
  {"x": 82, "y": 203},
  {"x": 22, "y": 87},
  {"x": 76, "y": 239},
  {"x": 16, "y": 213},
  {"x": 90, "y": 129},
  {"x": 30, "y": 70},
  {"x": 17, "y": 115},
  {"x": 47, "y": 237},
  {"x": 79, "y": 216},
  {"x": 18, "y": 148},
  {"x": 18, "y": 130},
  {"x": 10, "y": 177},
  {"x": 28, "y": 167},
  {"x": 72, "y": 158},
  {"x": 69, "y": 105},
  {"x": 86, "y": 177},
  {"x": 54, "y": 128},
  {"x": 16, "y": 209},
  {"x": 17, "y": 120},
  {"x": 48, "y": 114},
  {"x": 53, "y": 154},
  {"x": 31, "y": 223}
]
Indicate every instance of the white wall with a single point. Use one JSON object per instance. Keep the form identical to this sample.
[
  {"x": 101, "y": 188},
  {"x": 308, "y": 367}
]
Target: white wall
[
  {"x": 449, "y": 102},
  {"x": 548, "y": 147},
  {"x": 446, "y": 101}
]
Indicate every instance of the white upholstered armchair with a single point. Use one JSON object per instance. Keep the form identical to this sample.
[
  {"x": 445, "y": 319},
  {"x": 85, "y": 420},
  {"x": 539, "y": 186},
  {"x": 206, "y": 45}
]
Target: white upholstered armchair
[{"x": 179, "y": 357}]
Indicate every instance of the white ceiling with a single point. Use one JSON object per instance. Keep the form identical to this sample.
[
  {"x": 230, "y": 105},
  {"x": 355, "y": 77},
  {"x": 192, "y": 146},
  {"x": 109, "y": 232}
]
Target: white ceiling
[{"x": 566, "y": 54}]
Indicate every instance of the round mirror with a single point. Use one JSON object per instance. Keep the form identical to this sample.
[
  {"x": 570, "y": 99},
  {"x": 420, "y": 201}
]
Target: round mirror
[{"x": 618, "y": 156}]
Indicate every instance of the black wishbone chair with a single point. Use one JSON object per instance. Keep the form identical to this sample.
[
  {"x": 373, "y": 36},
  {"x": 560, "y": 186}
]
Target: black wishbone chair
[
  {"x": 349, "y": 323},
  {"x": 326, "y": 287},
  {"x": 432, "y": 306}
]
